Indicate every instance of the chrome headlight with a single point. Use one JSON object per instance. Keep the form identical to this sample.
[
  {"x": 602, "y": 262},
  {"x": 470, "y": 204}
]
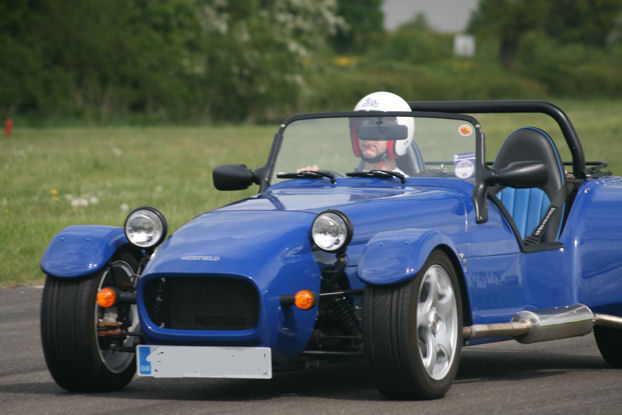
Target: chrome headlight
[
  {"x": 145, "y": 227},
  {"x": 331, "y": 230}
]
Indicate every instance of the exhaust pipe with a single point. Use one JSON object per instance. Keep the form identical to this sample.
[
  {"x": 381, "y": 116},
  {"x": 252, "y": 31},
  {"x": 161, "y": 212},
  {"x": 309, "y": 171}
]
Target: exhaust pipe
[
  {"x": 545, "y": 324},
  {"x": 604, "y": 320}
]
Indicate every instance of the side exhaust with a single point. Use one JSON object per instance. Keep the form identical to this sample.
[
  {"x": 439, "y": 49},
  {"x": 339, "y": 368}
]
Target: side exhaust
[{"x": 545, "y": 324}]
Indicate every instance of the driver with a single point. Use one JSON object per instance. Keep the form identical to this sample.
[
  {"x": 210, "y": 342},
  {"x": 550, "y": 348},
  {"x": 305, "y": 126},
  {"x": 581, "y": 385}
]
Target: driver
[{"x": 379, "y": 154}]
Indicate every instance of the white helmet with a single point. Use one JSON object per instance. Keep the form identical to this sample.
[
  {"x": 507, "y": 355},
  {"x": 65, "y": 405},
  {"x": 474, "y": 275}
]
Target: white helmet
[{"x": 386, "y": 101}]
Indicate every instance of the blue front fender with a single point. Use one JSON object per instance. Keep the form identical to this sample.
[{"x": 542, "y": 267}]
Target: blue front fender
[
  {"x": 77, "y": 251},
  {"x": 394, "y": 256}
]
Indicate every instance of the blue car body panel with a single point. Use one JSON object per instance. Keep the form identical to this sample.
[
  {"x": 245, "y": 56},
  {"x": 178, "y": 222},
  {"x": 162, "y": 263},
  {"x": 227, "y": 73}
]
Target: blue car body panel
[
  {"x": 394, "y": 256},
  {"x": 593, "y": 240},
  {"x": 270, "y": 249},
  {"x": 80, "y": 250}
]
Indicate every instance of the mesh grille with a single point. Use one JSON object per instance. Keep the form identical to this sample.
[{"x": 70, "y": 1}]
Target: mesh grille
[{"x": 202, "y": 303}]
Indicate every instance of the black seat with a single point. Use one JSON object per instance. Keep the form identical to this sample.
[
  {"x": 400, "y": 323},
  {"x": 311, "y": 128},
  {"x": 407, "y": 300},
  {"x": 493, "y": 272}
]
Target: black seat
[{"x": 537, "y": 212}]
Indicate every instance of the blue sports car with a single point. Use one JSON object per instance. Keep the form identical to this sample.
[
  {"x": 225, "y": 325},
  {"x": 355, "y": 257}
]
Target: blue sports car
[{"x": 332, "y": 260}]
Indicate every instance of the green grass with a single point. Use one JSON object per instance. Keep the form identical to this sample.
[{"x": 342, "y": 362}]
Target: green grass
[
  {"x": 51, "y": 178},
  {"x": 55, "y": 177}
]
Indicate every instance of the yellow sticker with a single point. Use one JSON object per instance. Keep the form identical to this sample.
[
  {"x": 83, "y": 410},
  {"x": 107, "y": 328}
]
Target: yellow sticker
[{"x": 465, "y": 130}]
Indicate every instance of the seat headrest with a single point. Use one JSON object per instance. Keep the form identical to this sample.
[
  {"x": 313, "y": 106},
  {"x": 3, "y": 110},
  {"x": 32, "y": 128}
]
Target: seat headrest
[{"x": 533, "y": 144}]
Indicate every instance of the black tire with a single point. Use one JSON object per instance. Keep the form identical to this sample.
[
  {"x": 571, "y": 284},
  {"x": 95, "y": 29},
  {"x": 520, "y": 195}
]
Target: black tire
[
  {"x": 78, "y": 359},
  {"x": 609, "y": 341},
  {"x": 401, "y": 324}
]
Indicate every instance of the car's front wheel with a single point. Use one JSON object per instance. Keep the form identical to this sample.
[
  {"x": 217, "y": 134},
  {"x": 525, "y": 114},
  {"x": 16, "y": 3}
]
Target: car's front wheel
[
  {"x": 86, "y": 347},
  {"x": 413, "y": 332}
]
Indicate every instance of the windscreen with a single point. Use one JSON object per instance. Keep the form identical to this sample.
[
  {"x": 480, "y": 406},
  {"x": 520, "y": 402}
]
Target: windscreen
[{"x": 415, "y": 146}]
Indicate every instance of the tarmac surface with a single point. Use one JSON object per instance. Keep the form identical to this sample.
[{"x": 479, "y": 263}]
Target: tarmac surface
[{"x": 559, "y": 377}]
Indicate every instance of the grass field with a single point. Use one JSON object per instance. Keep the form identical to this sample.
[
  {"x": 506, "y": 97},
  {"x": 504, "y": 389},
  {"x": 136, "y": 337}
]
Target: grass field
[{"x": 55, "y": 177}]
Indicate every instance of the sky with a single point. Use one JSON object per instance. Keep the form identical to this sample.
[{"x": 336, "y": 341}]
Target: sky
[{"x": 449, "y": 16}]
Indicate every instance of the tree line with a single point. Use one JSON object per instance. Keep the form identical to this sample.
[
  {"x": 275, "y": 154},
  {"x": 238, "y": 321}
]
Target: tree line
[{"x": 254, "y": 60}]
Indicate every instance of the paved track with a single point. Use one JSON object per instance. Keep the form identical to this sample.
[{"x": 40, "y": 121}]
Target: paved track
[{"x": 560, "y": 377}]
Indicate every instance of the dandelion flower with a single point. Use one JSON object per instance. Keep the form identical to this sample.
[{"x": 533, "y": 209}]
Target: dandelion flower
[
  {"x": 56, "y": 198},
  {"x": 54, "y": 191}
]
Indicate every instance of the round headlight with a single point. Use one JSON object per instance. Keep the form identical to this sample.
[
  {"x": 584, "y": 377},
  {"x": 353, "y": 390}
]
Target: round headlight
[
  {"x": 331, "y": 230},
  {"x": 145, "y": 227}
]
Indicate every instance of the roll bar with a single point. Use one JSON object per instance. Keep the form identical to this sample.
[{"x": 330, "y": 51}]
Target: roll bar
[{"x": 507, "y": 106}]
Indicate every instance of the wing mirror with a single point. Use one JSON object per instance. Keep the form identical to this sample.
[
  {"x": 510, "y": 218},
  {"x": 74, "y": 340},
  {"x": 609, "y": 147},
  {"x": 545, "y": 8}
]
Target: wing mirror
[
  {"x": 234, "y": 177},
  {"x": 519, "y": 174}
]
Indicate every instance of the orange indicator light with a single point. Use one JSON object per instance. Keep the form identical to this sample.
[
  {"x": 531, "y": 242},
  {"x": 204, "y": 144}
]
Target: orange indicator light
[
  {"x": 304, "y": 299},
  {"x": 106, "y": 297}
]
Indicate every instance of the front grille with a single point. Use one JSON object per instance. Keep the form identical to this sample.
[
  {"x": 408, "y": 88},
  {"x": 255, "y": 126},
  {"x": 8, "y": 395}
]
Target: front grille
[{"x": 202, "y": 303}]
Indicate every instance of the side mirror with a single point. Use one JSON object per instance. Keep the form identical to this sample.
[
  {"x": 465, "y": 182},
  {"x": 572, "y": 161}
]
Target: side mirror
[
  {"x": 519, "y": 174},
  {"x": 233, "y": 177}
]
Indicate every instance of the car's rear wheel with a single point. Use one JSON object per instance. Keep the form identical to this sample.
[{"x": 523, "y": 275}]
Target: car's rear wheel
[
  {"x": 85, "y": 346},
  {"x": 413, "y": 332},
  {"x": 609, "y": 341}
]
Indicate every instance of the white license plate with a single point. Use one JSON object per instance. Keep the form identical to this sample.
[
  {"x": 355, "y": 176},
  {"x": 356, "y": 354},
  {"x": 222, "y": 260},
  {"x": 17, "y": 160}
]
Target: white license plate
[{"x": 204, "y": 362}]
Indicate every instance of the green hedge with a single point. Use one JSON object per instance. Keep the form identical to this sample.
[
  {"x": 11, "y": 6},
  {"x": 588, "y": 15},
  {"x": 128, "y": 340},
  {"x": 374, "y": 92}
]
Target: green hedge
[
  {"x": 177, "y": 61},
  {"x": 571, "y": 70}
]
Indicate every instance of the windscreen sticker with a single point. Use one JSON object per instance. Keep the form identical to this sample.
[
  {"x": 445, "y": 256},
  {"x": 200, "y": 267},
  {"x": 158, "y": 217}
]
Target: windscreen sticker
[
  {"x": 465, "y": 130},
  {"x": 464, "y": 165}
]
